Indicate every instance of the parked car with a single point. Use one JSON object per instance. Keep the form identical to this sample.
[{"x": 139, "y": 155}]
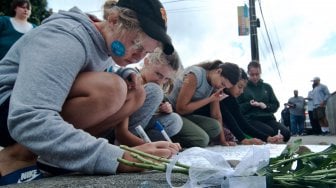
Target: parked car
[{"x": 307, "y": 126}]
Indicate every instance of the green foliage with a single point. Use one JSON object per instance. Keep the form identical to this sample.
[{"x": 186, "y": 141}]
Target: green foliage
[
  {"x": 39, "y": 10},
  {"x": 295, "y": 168}
]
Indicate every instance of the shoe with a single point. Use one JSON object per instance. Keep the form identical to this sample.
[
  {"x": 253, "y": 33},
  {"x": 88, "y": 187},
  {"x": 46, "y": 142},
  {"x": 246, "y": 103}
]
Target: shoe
[
  {"x": 22, "y": 175},
  {"x": 326, "y": 133},
  {"x": 51, "y": 169}
]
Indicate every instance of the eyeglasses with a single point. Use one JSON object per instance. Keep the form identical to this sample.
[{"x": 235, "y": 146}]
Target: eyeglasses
[{"x": 138, "y": 47}]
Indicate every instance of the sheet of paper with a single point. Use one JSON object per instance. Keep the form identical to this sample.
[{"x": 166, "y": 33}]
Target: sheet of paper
[
  {"x": 317, "y": 148},
  {"x": 239, "y": 151}
]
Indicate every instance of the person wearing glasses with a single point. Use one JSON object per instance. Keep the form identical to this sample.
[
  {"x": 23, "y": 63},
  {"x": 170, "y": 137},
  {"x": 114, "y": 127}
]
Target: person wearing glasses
[{"x": 56, "y": 99}]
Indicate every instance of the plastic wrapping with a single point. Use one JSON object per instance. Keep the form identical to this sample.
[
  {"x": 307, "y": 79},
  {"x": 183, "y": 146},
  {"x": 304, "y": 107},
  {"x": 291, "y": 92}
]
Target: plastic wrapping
[{"x": 210, "y": 168}]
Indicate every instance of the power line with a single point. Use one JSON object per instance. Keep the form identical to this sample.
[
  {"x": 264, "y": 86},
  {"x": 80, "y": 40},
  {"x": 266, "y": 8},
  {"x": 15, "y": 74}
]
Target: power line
[
  {"x": 188, "y": 9},
  {"x": 269, "y": 40}
]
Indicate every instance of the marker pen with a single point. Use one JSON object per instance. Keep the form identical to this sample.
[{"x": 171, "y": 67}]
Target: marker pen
[
  {"x": 141, "y": 132},
  {"x": 159, "y": 127}
]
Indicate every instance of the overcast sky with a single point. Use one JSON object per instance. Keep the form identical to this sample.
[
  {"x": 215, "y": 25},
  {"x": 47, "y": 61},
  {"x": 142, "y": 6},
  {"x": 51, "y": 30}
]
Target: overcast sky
[{"x": 302, "y": 34}]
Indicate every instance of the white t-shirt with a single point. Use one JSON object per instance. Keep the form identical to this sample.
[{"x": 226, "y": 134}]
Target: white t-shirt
[{"x": 22, "y": 28}]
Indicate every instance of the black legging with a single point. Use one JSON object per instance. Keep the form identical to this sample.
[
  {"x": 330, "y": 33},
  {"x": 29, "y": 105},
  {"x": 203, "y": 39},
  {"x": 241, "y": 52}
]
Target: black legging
[
  {"x": 271, "y": 127},
  {"x": 239, "y": 126},
  {"x": 236, "y": 122}
]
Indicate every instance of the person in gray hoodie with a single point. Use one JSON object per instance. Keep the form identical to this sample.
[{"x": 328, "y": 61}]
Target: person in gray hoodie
[{"x": 56, "y": 98}]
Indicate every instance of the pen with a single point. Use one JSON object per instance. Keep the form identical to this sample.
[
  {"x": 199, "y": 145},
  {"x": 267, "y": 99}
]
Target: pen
[
  {"x": 141, "y": 132},
  {"x": 159, "y": 127}
]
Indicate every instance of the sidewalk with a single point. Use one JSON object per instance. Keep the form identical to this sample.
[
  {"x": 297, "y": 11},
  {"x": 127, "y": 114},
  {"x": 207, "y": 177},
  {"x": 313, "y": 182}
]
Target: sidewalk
[
  {"x": 140, "y": 180},
  {"x": 315, "y": 140}
]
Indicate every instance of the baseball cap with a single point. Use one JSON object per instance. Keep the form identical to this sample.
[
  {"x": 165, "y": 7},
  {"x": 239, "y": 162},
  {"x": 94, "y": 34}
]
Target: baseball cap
[
  {"x": 316, "y": 78},
  {"x": 152, "y": 17}
]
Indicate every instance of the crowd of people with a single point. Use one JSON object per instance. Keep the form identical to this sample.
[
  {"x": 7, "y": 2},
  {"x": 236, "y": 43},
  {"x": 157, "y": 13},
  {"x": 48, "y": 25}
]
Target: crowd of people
[
  {"x": 68, "y": 98},
  {"x": 294, "y": 113}
]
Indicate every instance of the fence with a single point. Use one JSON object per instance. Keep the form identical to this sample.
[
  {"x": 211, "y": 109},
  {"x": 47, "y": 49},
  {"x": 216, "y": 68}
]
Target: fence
[{"x": 331, "y": 113}]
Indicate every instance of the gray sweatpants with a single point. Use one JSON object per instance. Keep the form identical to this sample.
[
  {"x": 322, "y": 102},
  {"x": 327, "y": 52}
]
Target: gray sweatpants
[{"x": 146, "y": 116}]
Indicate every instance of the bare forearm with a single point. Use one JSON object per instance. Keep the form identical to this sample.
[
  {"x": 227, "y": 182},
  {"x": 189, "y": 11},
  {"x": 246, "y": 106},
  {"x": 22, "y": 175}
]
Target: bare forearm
[
  {"x": 129, "y": 139},
  {"x": 192, "y": 106}
]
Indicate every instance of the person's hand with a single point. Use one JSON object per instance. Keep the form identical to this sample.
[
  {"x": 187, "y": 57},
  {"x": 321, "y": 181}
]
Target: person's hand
[
  {"x": 160, "y": 148},
  {"x": 218, "y": 95},
  {"x": 277, "y": 139},
  {"x": 262, "y": 105},
  {"x": 290, "y": 105},
  {"x": 227, "y": 143},
  {"x": 165, "y": 107},
  {"x": 253, "y": 103},
  {"x": 258, "y": 104},
  {"x": 133, "y": 81},
  {"x": 232, "y": 143},
  {"x": 252, "y": 141}
]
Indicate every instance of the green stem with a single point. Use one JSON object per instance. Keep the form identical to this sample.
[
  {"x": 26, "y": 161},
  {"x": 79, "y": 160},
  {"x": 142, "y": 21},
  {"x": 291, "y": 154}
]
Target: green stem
[
  {"x": 324, "y": 171},
  {"x": 161, "y": 159},
  {"x": 304, "y": 181},
  {"x": 143, "y": 160},
  {"x": 296, "y": 158},
  {"x": 152, "y": 167}
]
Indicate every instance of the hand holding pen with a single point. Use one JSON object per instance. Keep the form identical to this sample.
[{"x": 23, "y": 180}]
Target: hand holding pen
[
  {"x": 141, "y": 132},
  {"x": 159, "y": 127}
]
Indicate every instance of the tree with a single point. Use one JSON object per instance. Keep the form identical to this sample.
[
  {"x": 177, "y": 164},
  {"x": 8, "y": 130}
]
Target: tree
[{"x": 39, "y": 10}]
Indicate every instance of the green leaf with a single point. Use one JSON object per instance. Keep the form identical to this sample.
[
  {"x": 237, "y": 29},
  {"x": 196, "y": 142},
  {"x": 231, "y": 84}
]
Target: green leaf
[
  {"x": 293, "y": 148},
  {"x": 303, "y": 171},
  {"x": 289, "y": 150},
  {"x": 285, "y": 167}
]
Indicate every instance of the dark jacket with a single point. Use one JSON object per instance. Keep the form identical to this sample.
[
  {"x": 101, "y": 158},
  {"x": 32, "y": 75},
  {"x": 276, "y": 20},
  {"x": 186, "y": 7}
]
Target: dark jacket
[{"x": 261, "y": 92}]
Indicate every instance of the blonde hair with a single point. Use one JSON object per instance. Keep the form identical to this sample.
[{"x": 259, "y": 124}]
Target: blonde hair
[
  {"x": 107, "y": 7},
  {"x": 158, "y": 57},
  {"x": 127, "y": 23}
]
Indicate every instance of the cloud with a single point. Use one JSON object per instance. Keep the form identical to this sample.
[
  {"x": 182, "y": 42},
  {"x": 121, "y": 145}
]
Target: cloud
[{"x": 302, "y": 34}]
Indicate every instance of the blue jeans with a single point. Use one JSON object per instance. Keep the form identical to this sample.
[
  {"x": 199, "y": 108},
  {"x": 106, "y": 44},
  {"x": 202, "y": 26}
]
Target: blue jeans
[{"x": 297, "y": 124}]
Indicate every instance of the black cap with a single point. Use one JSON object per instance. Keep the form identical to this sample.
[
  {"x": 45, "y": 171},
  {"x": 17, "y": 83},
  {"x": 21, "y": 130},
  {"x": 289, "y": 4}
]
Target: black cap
[{"x": 152, "y": 17}]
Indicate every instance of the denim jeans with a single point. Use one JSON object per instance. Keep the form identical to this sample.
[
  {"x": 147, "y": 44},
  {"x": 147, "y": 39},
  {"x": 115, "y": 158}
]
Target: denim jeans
[{"x": 297, "y": 124}]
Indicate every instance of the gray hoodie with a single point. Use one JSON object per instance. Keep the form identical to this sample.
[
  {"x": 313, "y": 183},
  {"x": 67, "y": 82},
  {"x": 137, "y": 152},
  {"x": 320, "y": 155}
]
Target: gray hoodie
[{"x": 38, "y": 73}]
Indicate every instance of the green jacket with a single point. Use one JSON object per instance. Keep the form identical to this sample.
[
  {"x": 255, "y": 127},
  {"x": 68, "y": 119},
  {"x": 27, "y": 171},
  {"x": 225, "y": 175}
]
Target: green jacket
[{"x": 261, "y": 92}]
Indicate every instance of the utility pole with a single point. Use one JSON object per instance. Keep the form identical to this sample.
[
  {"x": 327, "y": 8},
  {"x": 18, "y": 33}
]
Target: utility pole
[{"x": 254, "y": 24}]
